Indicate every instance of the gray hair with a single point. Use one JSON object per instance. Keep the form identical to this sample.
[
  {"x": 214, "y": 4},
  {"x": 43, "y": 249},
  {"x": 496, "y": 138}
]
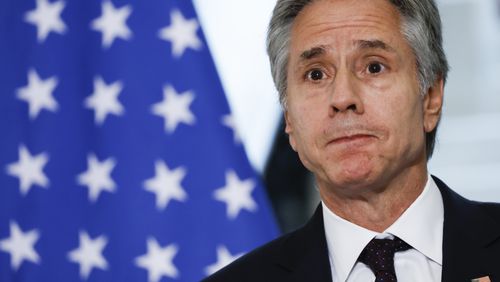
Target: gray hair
[{"x": 421, "y": 27}]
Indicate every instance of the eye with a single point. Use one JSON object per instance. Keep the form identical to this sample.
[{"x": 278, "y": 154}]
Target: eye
[
  {"x": 375, "y": 68},
  {"x": 315, "y": 75}
]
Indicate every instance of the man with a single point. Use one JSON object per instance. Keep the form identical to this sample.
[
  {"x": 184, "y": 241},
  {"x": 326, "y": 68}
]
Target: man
[{"x": 361, "y": 82}]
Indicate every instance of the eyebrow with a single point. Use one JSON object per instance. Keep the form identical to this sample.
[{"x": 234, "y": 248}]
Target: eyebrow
[
  {"x": 321, "y": 50},
  {"x": 374, "y": 44},
  {"x": 312, "y": 53}
]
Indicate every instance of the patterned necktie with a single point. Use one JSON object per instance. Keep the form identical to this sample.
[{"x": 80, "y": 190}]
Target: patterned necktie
[{"x": 379, "y": 256}]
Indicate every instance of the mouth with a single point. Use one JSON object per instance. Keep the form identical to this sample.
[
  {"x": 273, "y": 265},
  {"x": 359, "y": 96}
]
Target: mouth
[{"x": 358, "y": 139}]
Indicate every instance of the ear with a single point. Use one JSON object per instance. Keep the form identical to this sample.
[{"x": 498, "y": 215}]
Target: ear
[
  {"x": 289, "y": 130},
  {"x": 433, "y": 103}
]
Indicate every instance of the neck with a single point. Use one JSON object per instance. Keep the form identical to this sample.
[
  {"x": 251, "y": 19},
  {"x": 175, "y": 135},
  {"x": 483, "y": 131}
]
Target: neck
[{"x": 378, "y": 206}]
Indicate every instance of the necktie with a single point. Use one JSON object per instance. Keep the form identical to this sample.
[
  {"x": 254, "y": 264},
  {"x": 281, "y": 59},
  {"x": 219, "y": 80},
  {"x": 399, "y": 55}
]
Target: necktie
[{"x": 379, "y": 256}]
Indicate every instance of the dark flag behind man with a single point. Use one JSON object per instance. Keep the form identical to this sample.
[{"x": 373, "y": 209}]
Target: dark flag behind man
[{"x": 119, "y": 157}]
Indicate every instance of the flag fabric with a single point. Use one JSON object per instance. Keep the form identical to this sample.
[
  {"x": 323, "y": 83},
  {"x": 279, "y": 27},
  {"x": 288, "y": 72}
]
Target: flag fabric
[{"x": 119, "y": 157}]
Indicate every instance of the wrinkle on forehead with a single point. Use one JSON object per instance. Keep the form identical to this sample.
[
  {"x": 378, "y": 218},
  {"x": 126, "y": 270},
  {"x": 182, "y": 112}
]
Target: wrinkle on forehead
[
  {"x": 382, "y": 16},
  {"x": 321, "y": 50},
  {"x": 316, "y": 21},
  {"x": 339, "y": 28},
  {"x": 334, "y": 22}
]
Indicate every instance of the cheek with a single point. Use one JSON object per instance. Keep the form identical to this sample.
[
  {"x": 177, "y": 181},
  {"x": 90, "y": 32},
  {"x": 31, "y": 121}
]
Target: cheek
[
  {"x": 405, "y": 119},
  {"x": 306, "y": 135},
  {"x": 306, "y": 119}
]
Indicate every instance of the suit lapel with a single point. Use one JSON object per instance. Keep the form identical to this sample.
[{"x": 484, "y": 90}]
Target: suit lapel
[
  {"x": 468, "y": 230},
  {"x": 305, "y": 253}
]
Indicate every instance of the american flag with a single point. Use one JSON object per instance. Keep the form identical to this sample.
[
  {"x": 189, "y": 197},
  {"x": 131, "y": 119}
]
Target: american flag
[{"x": 119, "y": 157}]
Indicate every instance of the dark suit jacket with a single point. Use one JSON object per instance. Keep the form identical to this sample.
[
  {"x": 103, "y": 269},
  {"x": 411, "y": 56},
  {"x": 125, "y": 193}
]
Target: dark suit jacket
[{"x": 471, "y": 248}]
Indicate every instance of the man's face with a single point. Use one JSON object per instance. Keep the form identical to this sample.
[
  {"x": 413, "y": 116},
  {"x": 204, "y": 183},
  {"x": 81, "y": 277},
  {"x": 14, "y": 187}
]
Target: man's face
[{"x": 354, "y": 111}]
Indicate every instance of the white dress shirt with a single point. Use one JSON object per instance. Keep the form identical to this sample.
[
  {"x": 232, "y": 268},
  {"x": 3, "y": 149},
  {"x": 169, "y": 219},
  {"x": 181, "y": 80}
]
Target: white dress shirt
[{"x": 421, "y": 226}]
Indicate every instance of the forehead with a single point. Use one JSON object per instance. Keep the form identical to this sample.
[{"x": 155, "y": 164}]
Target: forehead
[{"x": 336, "y": 22}]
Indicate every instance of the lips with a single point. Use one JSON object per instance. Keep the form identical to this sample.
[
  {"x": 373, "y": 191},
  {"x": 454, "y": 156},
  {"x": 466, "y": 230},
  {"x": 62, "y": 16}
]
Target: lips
[
  {"x": 352, "y": 138},
  {"x": 353, "y": 133}
]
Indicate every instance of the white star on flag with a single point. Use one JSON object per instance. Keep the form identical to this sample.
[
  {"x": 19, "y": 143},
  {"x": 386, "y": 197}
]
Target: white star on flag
[
  {"x": 20, "y": 246},
  {"x": 158, "y": 261},
  {"x": 89, "y": 254},
  {"x": 166, "y": 184},
  {"x": 112, "y": 23},
  {"x": 29, "y": 170},
  {"x": 174, "y": 108},
  {"x": 46, "y": 17},
  {"x": 181, "y": 33},
  {"x": 236, "y": 194},
  {"x": 104, "y": 100},
  {"x": 224, "y": 258},
  {"x": 97, "y": 177},
  {"x": 228, "y": 120},
  {"x": 38, "y": 94}
]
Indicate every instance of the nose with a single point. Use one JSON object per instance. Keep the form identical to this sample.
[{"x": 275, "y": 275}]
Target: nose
[{"x": 345, "y": 94}]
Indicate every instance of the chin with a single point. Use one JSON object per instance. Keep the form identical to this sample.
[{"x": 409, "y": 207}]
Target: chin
[{"x": 354, "y": 171}]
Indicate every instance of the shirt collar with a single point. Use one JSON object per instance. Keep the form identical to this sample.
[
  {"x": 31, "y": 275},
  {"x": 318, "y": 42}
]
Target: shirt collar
[{"x": 421, "y": 226}]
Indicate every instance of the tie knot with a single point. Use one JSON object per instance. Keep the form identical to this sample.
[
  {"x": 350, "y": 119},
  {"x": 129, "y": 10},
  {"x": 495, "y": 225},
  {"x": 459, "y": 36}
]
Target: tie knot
[{"x": 379, "y": 256}]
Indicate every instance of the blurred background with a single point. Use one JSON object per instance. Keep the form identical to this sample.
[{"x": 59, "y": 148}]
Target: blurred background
[
  {"x": 122, "y": 97},
  {"x": 467, "y": 155}
]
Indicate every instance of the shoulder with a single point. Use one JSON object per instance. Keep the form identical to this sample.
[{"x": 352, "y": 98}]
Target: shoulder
[
  {"x": 491, "y": 209},
  {"x": 301, "y": 255},
  {"x": 466, "y": 207},
  {"x": 259, "y": 263}
]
